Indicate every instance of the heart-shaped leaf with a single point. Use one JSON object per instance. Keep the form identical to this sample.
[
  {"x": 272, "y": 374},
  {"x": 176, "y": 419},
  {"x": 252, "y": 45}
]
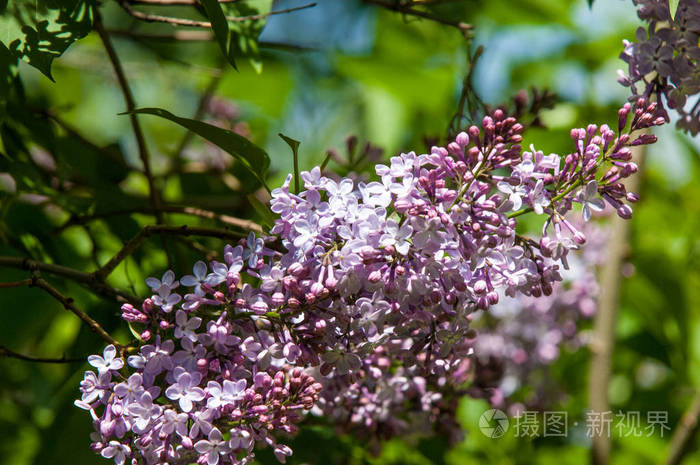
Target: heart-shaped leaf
[{"x": 39, "y": 31}]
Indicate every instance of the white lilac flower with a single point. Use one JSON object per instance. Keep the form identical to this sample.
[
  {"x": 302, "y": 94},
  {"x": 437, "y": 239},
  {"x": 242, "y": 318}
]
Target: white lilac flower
[
  {"x": 213, "y": 447},
  {"x": 117, "y": 451},
  {"x": 109, "y": 360},
  {"x": 186, "y": 390},
  {"x": 397, "y": 236},
  {"x": 229, "y": 393},
  {"x": 130, "y": 389}
]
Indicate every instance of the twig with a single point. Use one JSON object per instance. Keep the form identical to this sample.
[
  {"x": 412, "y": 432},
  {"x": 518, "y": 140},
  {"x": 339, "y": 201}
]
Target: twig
[
  {"x": 468, "y": 96},
  {"x": 148, "y": 231},
  {"x": 130, "y": 107},
  {"x": 464, "y": 28},
  {"x": 603, "y": 339},
  {"x": 5, "y": 352},
  {"x": 271, "y": 13},
  {"x": 194, "y": 36},
  {"x": 684, "y": 433},
  {"x": 199, "y": 248},
  {"x": 177, "y": 35},
  {"x": 24, "y": 282},
  {"x": 153, "y": 18},
  {"x": 153, "y": 193},
  {"x": 68, "y": 305},
  {"x": 88, "y": 280},
  {"x": 194, "y": 211},
  {"x": 173, "y": 2}
]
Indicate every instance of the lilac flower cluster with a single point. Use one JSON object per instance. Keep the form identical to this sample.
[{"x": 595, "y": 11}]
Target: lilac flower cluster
[
  {"x": 358, "y": 306},
  {"x": 664, "y": 59}
]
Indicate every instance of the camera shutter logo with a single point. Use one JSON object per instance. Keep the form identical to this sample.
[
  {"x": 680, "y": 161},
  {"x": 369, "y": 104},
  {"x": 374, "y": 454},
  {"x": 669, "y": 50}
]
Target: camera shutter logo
[{"x": 493, "y": 423}]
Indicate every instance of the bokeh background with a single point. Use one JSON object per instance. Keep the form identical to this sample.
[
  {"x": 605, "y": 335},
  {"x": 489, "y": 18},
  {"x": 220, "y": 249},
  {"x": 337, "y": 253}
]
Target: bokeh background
[{"x": 341, "y": 68}]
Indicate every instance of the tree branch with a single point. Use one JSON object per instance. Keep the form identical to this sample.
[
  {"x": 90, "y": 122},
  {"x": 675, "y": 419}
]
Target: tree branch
[
  {"x": 174, "y": 2},
  {"x": 193, "y": 211},
  {"x": 88, "y": 280},
  {"x": 153, "y": 18},
  {"x": 130, "y": 107},
  {"x": 5, "y": 352},
  {"x": 685, "y": 432},
  {"x": 407, "y": 9},
  {"x": 24, "y": 282},
  {"x": 148, "y": 231},
  {"x": 68, "y": 305}
]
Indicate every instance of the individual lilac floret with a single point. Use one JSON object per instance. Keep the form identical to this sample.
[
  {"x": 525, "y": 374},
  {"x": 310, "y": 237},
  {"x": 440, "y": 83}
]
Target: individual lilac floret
[
  {"x": 200, "y": 277},
  {"x": 213, "y": 447},
  {"x": 185, "y": 390},
  {"x": 109, "y": 361},
  {"x": 588, "y": 197},
  {"x": 117, "y": 451}
]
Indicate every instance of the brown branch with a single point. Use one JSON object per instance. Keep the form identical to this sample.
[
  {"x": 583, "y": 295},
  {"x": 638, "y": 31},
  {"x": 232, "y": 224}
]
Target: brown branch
[
  {"x": 193, "y": 211},
  {"x": 67, "y": 303},
  {"x": 5, "y": 352},
  {"x": 406, "y": 9},
  {"x": 270, "y": 13},
  {"x": 153, "y": 193},
  {"x": 88, "y": 280},
  {"x": 174, "y": 2},
  {"x": 148, "y": 231},
  {"x": 153, "y": 18},
  {"x": 177, "y": 35},
  {"x": 603, "y": 339},
  {"x": 130, "y": 107},
  {"x": 24, "y": 282},
  {"x": 194, "y": 36},
  {"x": 685, "y": 431},
  {"x": 199, "y": 248}
]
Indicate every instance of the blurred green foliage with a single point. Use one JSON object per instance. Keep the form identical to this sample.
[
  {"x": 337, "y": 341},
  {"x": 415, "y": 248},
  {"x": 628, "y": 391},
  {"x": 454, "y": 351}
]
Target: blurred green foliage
[{"x": 346, "y": 68}]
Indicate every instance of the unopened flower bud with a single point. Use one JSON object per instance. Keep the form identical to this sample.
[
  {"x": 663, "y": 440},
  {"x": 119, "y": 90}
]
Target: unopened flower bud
[{"x": 624, "y": 211}]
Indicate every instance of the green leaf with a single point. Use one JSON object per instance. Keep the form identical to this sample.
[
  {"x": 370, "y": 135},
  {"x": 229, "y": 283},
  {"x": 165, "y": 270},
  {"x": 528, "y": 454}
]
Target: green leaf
[
  {"x": 244, "y": 34},
  {"x": 673, "y": 7},
  {"x": 250, "y": 155},
  {"x": 219, "y": 25},
  {"x": 294, "y": 145},
  {"x": 39, "y": 31}
]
